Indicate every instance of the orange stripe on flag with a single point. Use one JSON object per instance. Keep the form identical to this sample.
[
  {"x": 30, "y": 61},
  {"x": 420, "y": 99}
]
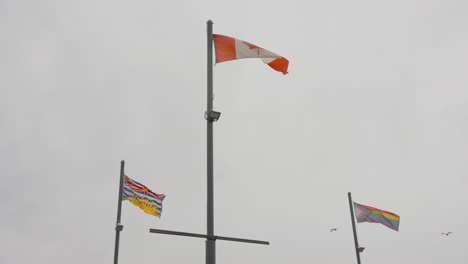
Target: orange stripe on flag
[
  {"x": 225, "y": 48},
  {"x": 280, "y": 65}
]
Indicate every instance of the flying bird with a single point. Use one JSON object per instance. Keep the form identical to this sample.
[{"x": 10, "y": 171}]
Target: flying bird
[
  {"x": 448, "y": 233},
  {"x": 333, "y": 229}
]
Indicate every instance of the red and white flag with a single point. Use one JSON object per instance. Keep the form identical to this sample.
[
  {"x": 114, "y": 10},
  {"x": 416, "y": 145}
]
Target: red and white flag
[{"x": 228, "y": 48}]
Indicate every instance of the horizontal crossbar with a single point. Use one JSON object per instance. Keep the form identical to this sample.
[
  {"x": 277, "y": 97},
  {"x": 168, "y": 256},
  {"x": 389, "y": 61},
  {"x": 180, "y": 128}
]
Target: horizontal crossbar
[
  {"x": 177, "y": 233},
  {"x": 243, "y": 240}
]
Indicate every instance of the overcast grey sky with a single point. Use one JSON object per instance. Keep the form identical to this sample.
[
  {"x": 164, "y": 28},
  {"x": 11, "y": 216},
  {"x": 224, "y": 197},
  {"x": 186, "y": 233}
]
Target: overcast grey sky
[{"x": 375, "y": 103}]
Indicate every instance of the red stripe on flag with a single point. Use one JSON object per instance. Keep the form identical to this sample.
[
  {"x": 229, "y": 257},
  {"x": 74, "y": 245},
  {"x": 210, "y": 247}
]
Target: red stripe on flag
[
  {"x": 379, "y": 210},
  {"x": 225, "y": 48},
  {"x": 280, "y": 65}
]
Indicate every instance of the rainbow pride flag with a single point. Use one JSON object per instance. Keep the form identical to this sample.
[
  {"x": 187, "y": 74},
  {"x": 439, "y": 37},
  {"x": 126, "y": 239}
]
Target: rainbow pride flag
[{"x": 369, "y": 214}]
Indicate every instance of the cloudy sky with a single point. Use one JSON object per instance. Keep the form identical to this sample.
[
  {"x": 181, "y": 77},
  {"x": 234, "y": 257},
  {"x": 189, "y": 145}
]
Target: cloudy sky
[{"x": 375, "y": 104}]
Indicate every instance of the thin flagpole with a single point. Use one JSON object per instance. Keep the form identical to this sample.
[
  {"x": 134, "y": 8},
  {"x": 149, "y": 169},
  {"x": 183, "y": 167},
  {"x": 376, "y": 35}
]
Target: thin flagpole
[
  {"x": 210, "y": 242},
  {"x": 356, "y": 244},
  {"x": 118, "y": 226}
]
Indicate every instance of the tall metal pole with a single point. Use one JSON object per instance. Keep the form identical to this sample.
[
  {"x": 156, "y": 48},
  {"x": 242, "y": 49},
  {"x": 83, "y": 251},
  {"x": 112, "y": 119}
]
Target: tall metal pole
[
  {"x": 118, "y": 226},
  {"x": 210, "y": 242},
  {"x": 356, "y": 244}
]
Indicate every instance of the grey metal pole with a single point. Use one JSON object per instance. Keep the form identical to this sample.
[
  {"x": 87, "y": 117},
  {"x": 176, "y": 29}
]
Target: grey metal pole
[
  {"x": 356, "y": 244},
  {"x": 210, "y": 242},
  {"x": 118, "y": 226}
]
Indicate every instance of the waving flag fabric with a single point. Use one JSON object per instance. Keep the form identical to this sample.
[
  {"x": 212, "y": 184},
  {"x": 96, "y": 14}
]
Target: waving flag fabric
[
  {"x": 141, "y": 196},
  {"x": 228, "y": 48},
  {"x": 369, "y": 214}
]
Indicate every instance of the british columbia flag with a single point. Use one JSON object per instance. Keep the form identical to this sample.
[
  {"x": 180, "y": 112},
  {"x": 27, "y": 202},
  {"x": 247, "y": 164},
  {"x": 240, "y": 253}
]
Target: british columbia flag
[{"x": 139, "y": 195}]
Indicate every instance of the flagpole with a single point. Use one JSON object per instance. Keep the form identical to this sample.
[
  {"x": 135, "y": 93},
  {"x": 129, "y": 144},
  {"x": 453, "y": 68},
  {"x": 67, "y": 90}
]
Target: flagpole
[
  {"x": 210, "y": 242},
  {"x": 118, "y": 226},
  {"x": 356, "y": 244}
]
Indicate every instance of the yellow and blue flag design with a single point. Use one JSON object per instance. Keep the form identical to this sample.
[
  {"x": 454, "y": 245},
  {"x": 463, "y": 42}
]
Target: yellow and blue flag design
[{"x": 141, "y": 196}]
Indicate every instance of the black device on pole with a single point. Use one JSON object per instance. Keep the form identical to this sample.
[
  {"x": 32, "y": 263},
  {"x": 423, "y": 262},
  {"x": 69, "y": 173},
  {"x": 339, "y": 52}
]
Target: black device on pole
[
  {"x": 356, "y": 244},
  {"x": 118, "y": 225}
]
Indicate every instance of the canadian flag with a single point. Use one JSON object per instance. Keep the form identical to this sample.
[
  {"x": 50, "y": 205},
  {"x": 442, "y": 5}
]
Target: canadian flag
[{"x": 228, "y": 48}]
